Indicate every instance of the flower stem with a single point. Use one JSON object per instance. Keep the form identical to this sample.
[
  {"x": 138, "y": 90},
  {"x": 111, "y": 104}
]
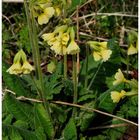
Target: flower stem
[
  {"x": 36, "y": 55},
  {"x": 75, "y": 96},
  {"x": 131, "y": 94},
  {"x": 86, "y": 64},
  {"x": 94, "y": 76},
  {"x": 127, "y": 59},
  {"x": 65, "y": 67}
]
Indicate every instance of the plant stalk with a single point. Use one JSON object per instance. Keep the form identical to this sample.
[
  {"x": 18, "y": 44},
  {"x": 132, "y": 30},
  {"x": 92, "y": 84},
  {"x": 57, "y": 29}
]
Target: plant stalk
[
  {"x": 127, "y": 65},
  {"x": 94, "y": 76},
  {"x": 65, "y": 67},
  {"x": 36, "y": 55},
  {"x": 75, "y": 96},
  {"x": 86, "y": 64}
]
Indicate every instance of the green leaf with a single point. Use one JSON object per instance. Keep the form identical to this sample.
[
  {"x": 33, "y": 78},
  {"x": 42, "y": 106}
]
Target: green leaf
[
  {"x": 58, "y": 113},
  {"x": 21, "y": 124},
  {"x": 105, "y": 102},
  {"x": 40, "y": 133},
  {"x": 92, "y": 64},
  {"x": 8, "y": 119},
  {"x": 115, "y": 56},
  {"x": 15, "y": 135},
  {"x": 70, "y": 132},
  {"x": 86, "y": 117},
  {"x": 129, "y": 108},
  {"x": 26, "y": 134},
  {"x": 86, "y": 97},
  {"x": 75, "y": 3},
  {"x": 42, "y": 119},
  {"x": 20, "y": 110},
  {"x": 53, "y": 85}
]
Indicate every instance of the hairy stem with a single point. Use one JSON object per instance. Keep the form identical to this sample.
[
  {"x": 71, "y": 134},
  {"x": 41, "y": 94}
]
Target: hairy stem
[
  {"x": 65, "y": 67},
  {"x": 127, "y": 59},
  {"x": 75, "y": 96},
  {"x": 86, "y": 64},
  {"x": 94, "y": 76},
  {"x": 35, "y": 52}
]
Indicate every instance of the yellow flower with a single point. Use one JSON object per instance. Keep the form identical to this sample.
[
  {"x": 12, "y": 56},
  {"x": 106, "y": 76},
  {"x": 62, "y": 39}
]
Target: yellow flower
[
  {"x": 49, "y": 37},
  {"x": 97, "y": 56},
  {"x": 60, "y": 29},
  {"x": 27, "y": 68},
  {"x": 65, "y": 38},
  {"x": 103, "y": 45},
  {"x": 56, "y": 47},
  {"x": 116, "y": 96},
  {"x": 15, "y": 68},
  {"x": 105, "y": 53},
  {"x": 132, "y": 50},
  {"x": 73, "y": 48},
  {"x": 49, "y": 11},
  {"x": 119, "y": 78},
  {"x": 100, "y": 50},
  {"x": 46, "y": 15},
  {"x": 57, "y": 11}
]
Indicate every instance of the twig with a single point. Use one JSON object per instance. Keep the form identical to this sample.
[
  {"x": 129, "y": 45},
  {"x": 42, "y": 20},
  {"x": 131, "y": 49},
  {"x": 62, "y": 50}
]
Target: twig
[
  {"x": 91, "y": 36},
  {"x": 28, "y": 99},
  {"x": 82, "y": 107},
  {"x": 107, "y": 14},
  {"x": 109, "y": 126},
  {"x": 7, "y": 90},
  {"x": 7, "y": 19},
  {"x": 86, "y": 24},
  {"x": 81, "y": 7},
  {"x": 95, "y": 110}
]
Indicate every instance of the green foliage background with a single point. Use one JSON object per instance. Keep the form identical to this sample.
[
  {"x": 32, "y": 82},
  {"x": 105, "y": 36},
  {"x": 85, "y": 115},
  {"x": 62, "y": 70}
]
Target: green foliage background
[{"x": 27, "y": 120}]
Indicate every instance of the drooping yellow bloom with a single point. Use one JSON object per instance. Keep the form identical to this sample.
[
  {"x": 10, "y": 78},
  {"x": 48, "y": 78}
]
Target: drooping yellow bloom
[
  {"x": 132, "y": 50},
  {"x": 49, "y": 37},
  {"x": 65, "y": 38},
  {"x": 97, "y": 56},
  {"x": 15, "y": 68},
  {"x": 106, "y": 54},
  {"x": 73, "y": 48},
  {"x": 57, "y": 11},
  {"x": 100, "y": 50},
  {"x": 20, "y": 64},
  {"x": 46, "y": 15},
  {"x": 119, "y": 78},
  {"x": 116, "y": 96},
  {"x": 27, "y": 68},
  {"x": 57, "y": 47}
]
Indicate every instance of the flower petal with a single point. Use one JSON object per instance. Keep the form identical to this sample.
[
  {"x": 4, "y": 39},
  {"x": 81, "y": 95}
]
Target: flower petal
[
  {"x": 132, "y": 50},
  {"x": 97, "y": 56}
]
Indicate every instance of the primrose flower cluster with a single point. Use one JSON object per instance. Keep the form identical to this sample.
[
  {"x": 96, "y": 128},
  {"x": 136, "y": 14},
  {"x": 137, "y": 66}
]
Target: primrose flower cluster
[
  {"x": 62, "y": 40},
  {"x": 116, "y": 96},
  {"x": 100, "y": 50},
  {"x": 20, "y": 64},
  {"x": 44, "y": 10}
]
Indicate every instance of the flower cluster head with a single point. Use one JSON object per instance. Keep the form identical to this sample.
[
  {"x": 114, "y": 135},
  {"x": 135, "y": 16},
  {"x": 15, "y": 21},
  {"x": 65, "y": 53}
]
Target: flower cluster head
[
  {"x": 119, "y": 78},
  {"x": 100, "y": 50},
  {"x": 44, "y": 10},
  {"x": 62, "y": 40},
  {"x": 20, "y": 64},
  {"x": 117, "y": 96}
]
